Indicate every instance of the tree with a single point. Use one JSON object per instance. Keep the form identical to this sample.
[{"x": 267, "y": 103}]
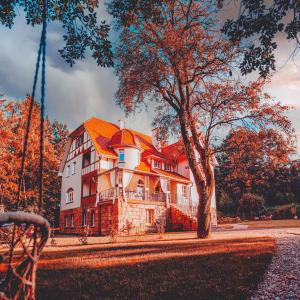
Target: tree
[
  {"x": 262, "y": 21},
  {"x": 178, "y": 59},
  {"x": 13, "y": 117},
  {"x": 256, "y": 162},
  {"x": 250, "y": 206},
  {"x": 79, "y": 20}
]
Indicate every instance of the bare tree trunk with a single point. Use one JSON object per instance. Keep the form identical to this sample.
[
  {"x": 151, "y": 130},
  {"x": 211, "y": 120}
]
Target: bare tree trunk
[
  {"x": 204, "y": 216},
  {"x": 204, "y": 190}
]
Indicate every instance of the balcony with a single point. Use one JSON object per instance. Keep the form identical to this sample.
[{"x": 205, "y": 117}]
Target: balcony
[
  {"x": 145, "y": 196},
  {"x": 137, "y": 195},
  {"x": 109, "y": 194}
]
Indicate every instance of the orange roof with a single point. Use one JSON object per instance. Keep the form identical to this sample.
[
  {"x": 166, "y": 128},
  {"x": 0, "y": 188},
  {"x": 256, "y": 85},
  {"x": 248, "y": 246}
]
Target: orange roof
[
  {"x": 172, "y": 175},
  {"x": 173, "y": 151},
  {"x": 124, "y": 137},
  {"x": 102, "y": 131},
  {"x": 144, "y": 167}
]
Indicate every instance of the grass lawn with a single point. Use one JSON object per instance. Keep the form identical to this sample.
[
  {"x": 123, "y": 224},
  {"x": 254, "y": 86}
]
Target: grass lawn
[
  {"x": 272, "y": 223},
  {"x": 166, "y": 269}
]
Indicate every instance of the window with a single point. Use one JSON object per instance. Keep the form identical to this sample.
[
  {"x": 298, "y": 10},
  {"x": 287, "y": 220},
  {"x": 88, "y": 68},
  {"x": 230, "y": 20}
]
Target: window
[
  {"x": 184, "y": 190},
  {"x": 74, "y": 167},
  {"x": 93, "y": 188},
  {"x": 84, "y": 218},
  {"x": 70, "y": 195},
  {"x": 140, "y": 188},
  {"x": 89, "y": 186},
  {"x": 92, "y": 220},
  {"x": 167, "y": 167},
  {"x": 86, "y": 160},
  {"x": 66, "y": 221},
  {"x": 121, "y": 156},
  {"x": 72, "y": 220},
  {"x": 157, "y": 164},
  {"x": 150, "y": 216},
  {"x": 79, "y": 141},
  {"x": 68, "y": 170}
]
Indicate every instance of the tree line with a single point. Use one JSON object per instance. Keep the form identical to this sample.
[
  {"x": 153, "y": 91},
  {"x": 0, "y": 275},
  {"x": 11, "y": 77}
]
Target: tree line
[
  {"x": 259, "y": 163},
  {"x": 13, "y": 118}
]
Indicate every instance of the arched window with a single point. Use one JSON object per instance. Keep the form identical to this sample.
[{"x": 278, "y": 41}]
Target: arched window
[{"x": 70, "y": 195}]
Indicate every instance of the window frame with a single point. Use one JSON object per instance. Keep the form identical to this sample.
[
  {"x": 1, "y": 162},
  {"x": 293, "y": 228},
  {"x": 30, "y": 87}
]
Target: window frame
[
  {"x": 150, "y": 216},
  {"x": 74, "y": 167},
  {"x": 92, "y": 218},
  {"x": 68, "y": 171},
  {"x": 84, "y": 218},
  {"x": 72, "y": 220},
  {"x": 157, "y": 164},
  {"x": 70, "y": 192},
  {"x": 121, "y": 153},
  {"x": 66, "y": 221}
]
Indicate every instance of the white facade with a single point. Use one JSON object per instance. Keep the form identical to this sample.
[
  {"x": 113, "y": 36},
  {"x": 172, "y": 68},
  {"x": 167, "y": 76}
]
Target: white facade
[
  {"x": 132, "y": 158},
  {"x": 71, "y": 181}
]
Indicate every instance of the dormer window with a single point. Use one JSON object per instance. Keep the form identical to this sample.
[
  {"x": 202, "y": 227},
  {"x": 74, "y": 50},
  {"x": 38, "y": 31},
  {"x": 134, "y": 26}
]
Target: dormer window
[
  {"x": 121, "y": 156},
  {"x": 167, "y": 167},
  {"x": 157, "y": 164}
]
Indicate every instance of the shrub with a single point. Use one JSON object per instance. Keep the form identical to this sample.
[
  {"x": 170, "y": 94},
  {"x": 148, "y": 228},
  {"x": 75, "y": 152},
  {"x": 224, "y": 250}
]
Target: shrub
[{"x": 250, "y": 206}]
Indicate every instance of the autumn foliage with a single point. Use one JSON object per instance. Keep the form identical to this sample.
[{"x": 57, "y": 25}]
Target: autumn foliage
[
  {"x": 176, "y": 58},
  {"x": 13, "y": 118}
]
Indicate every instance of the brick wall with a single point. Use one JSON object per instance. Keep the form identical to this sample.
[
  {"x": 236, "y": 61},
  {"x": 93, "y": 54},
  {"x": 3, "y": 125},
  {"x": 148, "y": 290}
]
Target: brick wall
[
  {"x": 106, "y": 218},
  {"x": 77, "y": 228}
]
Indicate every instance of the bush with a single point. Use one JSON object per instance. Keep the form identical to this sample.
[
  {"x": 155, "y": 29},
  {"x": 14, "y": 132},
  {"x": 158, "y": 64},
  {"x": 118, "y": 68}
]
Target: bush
[
  {"x": 251, "y": 206},
  {"x": 226, "y": 204}
]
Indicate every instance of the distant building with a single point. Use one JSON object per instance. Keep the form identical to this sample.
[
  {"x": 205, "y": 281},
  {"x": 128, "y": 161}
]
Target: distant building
[{"x": 115, "y": 178}]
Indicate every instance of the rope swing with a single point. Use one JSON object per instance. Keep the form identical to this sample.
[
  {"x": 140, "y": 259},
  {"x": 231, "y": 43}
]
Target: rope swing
[{"x": 27, "y": 232}]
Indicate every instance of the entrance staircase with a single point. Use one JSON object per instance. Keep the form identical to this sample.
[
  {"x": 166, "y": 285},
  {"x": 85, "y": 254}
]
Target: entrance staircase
[{"x": 182, "y": 218}]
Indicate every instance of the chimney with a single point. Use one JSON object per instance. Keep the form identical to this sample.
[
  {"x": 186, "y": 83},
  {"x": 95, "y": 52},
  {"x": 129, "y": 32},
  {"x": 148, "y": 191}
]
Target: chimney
[{"x": 121, "y": 124}]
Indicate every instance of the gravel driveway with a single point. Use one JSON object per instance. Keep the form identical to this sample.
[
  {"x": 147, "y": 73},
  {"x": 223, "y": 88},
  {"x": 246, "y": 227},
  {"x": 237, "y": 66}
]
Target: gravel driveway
[{"x": 282, "y": 280}]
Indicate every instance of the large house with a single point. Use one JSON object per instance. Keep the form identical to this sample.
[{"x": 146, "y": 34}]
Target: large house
[{"x": 114, "y": 178}]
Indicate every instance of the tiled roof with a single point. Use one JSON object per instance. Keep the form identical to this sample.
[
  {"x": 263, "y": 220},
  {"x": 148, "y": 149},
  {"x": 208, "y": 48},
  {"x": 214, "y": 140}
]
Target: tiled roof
[
  {"x": 101, "y": 132},
  {"x": 144, "y": 167},
  {"x": 172, "y": 175},
  {"x": 124, "y": 137}
]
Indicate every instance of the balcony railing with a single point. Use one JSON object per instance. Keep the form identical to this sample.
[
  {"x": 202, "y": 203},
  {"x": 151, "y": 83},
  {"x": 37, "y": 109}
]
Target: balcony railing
[
  {"x": 185, "y": 204},
  {"x": 109, "y": 194},
  {"x": 145, "y": 196}
]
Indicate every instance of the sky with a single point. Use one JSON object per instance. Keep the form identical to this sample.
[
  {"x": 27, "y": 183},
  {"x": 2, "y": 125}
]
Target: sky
[{"x": 86, "y": 90}]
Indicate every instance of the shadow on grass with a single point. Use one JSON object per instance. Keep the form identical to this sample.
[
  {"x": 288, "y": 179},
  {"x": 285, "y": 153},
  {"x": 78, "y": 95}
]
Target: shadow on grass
[{"x": 218, "y": 269}]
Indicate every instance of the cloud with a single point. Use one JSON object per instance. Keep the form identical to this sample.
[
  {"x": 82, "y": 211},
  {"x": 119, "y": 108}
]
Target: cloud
[{"x": 78, "y": 93}]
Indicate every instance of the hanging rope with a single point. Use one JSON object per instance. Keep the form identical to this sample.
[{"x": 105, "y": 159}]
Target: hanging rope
[
  {"x": 43, "y": 93},
  {"x": 41, "y": 53}
]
